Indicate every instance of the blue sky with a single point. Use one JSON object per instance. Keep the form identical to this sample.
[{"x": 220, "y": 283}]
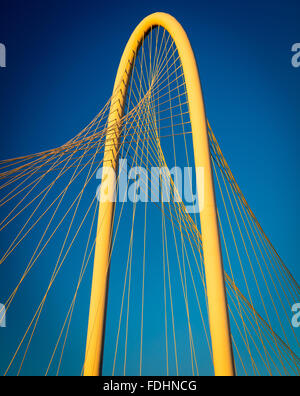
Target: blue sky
[{"x": 61, "y": 63}]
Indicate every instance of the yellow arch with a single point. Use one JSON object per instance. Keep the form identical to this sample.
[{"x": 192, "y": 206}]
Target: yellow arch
[{"x": 216, "y": 292}]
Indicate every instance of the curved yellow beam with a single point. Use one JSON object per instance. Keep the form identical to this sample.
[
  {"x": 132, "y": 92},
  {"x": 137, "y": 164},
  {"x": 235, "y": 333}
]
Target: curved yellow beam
[{"x": 216, "y": 292}]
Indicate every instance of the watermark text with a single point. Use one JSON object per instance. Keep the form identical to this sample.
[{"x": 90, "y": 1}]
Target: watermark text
[
  {"x": 296, "y": 56},
  {"x": 2, "y": 55},
  {"x": 157, "y": 184},
  {"x": 296, "y": 317},
  {"x": 2, "y": 316}
]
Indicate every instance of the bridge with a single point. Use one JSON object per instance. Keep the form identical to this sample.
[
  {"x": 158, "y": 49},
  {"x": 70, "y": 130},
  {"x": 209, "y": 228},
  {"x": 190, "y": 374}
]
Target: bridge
[{"x": 172, "y": 277}]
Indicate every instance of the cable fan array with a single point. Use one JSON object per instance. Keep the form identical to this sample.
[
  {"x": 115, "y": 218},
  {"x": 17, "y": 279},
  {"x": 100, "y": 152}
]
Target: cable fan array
[{"x": 157, "y": 306}]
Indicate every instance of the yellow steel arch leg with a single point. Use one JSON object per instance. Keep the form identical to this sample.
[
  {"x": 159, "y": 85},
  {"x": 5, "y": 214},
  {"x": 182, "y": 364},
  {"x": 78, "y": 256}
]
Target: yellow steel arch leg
[{"x": 216, "y": 291}]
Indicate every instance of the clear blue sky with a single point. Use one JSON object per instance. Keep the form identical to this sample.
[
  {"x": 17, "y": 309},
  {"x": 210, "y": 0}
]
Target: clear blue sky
[{"x": 61, "y": 62}]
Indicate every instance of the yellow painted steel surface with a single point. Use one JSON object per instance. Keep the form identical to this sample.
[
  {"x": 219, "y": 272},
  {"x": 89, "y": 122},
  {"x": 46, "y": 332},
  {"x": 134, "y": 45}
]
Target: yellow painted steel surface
[{"x": 216, "y": 292}]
